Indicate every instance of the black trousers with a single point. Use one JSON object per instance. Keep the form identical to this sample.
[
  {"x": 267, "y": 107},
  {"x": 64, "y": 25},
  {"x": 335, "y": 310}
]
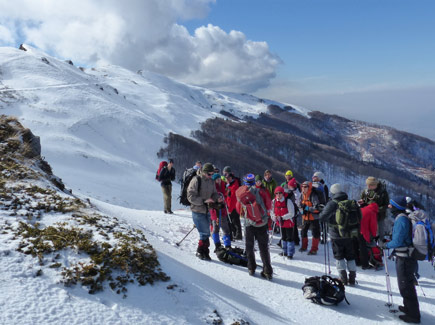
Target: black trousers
[
  {"x": 405, "y": 268},
  {"x": 363, "y": 251},
  {"x": 315, "y": 228},
  {"x": 287, "y": 234},
  {"x": 342, "y": 249},
  {"x": 296, "y": 230},
  {"x": 259, "y": 234}
]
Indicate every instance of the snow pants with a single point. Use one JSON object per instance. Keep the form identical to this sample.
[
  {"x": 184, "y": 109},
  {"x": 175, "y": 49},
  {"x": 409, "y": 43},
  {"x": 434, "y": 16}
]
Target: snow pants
[
  {"x": 167, "y": 197},
  {"x": 260, "y": 234},
  {"x": 405, "y": 268}
]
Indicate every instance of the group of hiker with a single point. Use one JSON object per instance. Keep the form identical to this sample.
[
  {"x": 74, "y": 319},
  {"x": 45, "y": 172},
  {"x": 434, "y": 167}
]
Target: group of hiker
[{"x": 356, "y": 228}]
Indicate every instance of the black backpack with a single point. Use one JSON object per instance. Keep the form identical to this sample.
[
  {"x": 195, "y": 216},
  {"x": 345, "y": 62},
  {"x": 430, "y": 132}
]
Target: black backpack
[
  {"x": 188, "y": 175},
  {"x": 324, "y": 290},
  {"x": 234, "y": 256}
]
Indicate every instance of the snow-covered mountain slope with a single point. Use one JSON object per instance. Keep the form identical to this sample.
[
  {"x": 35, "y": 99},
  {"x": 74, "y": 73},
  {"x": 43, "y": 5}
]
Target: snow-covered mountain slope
[{"x": 101, "y": 128}]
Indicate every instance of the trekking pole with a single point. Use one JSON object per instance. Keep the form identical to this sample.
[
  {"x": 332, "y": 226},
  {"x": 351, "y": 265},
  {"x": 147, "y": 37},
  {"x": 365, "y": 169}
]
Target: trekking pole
[
  {"x": 271, "y": 235},
  {"x": 324, "y": 249},
  {"x": 178, "y": 244},
  {"x": 327, "y": 247},
  {"x": 280, "y": 233},
  {"x": 421, "y": 288},
  {"x": 390, "y": 303}
]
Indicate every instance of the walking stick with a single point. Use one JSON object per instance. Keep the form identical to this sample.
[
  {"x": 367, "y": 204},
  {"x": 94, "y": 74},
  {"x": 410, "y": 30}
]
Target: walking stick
[
  {"x": 327, "y": 247},
  {"x": 390, "y": 303},
  {"x": 178, "y": 244},
  {"x": 271, "y": 235}
]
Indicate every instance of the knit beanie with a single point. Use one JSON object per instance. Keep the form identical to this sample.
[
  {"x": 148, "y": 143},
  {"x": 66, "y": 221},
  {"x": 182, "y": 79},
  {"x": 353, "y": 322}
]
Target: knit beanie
[
  {"x": 227, "y": 169},
  {"x": 208, "y": 168},
  {"x": 249, "y": 179},
  {"x": 335, "y": 188},
  {"x": 399, "y": 203},
  {"x": 289, "y": 173},
  {"x": 279, "y": 189},
  {"x": 216, "y": 176},
  {"x": 258, "y": 178},
  {"x": 372, "y": 181},
  {"x": 292, "y": 183},
  {"x": 319, "y": 175}
]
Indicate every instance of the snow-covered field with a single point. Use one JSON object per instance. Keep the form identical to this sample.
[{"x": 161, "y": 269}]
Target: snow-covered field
[{"x": 197, "y": 288}]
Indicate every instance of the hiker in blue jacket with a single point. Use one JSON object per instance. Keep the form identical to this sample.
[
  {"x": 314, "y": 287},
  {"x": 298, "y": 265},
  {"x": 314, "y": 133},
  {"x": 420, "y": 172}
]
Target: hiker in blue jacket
[{"x": 405, "y": 265}]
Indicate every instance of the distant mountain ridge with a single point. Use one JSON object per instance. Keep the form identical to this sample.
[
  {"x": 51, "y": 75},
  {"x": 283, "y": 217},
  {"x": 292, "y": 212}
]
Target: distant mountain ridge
[{"x": 101, "y": 128}]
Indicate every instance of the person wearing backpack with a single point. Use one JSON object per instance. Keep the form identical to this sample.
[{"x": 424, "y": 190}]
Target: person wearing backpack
[
  {"x": 166, "y": 176},
  {"x": 283, "y": 211},
  {"x": 342, "y": 247},
  {"x": 254, "y": 204},
  {"x": 376, "y": 192},
  {"x": 201, "y": 192},
  {"x": 294, "y": 195},
  {"x": 311, "y": 206},
  {"x": 401, "y": 243}
]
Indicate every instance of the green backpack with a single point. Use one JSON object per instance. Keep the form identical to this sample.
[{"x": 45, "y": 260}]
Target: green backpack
[{"x": 348, "y": 218}]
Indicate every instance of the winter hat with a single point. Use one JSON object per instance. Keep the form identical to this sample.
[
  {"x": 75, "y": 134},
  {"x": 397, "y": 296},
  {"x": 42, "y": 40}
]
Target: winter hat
[
  {"x": 399, "y": 202},
  {"x": 306, "y": 183},
  {"x": 372, "y": 181},
  {"x": 279, "y": 189},
  {"x": 292, "y": 183},
  {"x": 258, "y": 178},
  {"x": 335, "y": 188},
  {"x": 208, "y": 168},
  {"x": 319, "y": 175},
  {"x": 249, "y": 179},
  {"x": 216, "y": 176},
  {"x": 289, "y": 173},
  {"x": 227, "y": 169}
]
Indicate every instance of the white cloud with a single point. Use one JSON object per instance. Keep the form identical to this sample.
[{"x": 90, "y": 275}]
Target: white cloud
[{"x": 141, "y": 34}]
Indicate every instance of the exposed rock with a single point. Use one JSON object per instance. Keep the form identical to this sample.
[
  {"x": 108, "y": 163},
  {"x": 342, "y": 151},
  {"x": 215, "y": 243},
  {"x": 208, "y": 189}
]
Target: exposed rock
[{"x": 22, "y": 48}]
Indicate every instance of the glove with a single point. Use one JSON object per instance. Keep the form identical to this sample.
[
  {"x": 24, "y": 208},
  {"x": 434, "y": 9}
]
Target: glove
[
  {"x": 307, "y": 208},
  {"x": 383, "y": 245},
  {"x": 273, "y": 216}
]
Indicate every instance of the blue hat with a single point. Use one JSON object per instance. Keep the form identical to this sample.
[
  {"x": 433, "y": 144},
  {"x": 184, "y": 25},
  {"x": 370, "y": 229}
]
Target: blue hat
[
  {"x": 249, "y": 179},
  {"x": 399, "y": 202},
  {"x": 216, "y": 176}
]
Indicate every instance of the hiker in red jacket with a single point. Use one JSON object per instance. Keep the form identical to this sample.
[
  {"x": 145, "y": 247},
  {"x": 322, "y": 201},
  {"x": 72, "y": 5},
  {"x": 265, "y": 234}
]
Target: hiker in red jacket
[
  {"x": 255, "y": 212},
  {"x": 370, "y": 254},
  {"x": 283, "y": 211},
  {"x": 231, "y": 188},
  {"x": 219, "y": 217}
]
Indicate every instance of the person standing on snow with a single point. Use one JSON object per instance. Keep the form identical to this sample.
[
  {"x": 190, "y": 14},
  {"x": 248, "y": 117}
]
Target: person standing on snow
[
  {"x": 200, "y": 193},
  {"x": 219, "y": 217},
  {"x": 256, "y": 230},
  {"x": 269, "y": 183},
  {"x": 233, "y": 184},
  {"x": 283, "y": 211},
  {"x": 166, "y": 176},
  {"x": 405, "y": 265},
  {"x": 311, "y": 206},
  {"x": 342, "y": 247}
]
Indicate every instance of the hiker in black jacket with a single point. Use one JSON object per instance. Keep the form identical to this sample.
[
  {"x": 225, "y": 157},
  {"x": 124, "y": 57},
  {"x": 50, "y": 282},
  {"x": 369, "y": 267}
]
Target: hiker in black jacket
[
  {"x": 341, "y": 247},
  {"x": 166, "y": 176}
]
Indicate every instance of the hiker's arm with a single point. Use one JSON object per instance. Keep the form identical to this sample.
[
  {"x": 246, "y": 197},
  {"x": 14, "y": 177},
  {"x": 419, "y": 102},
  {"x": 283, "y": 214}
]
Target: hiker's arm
[
  {"x": 192, "y": 193},
  {"x": 400, "y": 231}
]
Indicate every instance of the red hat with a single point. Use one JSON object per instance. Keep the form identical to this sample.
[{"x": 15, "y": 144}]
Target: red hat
[
  {"x": 279, "y": 189},
  {"x": 292, "y": 183}
]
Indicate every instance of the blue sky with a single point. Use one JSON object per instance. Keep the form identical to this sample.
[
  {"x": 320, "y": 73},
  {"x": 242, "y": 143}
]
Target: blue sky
[
  {"x": 371, "y": 60},
  {"x": 366, "y": 59}
]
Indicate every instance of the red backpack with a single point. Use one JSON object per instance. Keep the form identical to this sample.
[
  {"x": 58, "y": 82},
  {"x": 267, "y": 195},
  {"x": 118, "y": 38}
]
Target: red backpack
[
  {"x": 249, "y": 203},
  {"x": 161, "y": 165}
]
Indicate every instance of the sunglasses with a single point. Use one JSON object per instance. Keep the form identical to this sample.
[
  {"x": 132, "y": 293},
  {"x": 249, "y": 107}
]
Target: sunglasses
[{"x": 278, "y": 193}]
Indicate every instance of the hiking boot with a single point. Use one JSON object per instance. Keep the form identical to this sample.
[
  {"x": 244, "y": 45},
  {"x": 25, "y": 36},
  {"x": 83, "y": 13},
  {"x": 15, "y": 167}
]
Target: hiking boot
[
  {"x": 409, "y": 319},
  {"x": 403, "y": 309},
  {"x": 279, "y": 244},
  {"x": 367, "y": 267},
  {"x": 290, "y": 257},
  {"x": 165, "y": 211},
  {"x": 170, "y": 212},
  {"x": 217, "y": 247},
  {"x": 282, "y": 254},
  {"x": 304, "y": 246},
  {"x": 251, "y": 272},
  {"x": 343, "y": 277},
  {"x": 201, "y": 255},
  {"x": 302, "y": 249},
  {"x": 207, "y": 257},
  {"x": 352, "y": 276},
  {"x": 267, "y": 276},
  {"x": 311, "y": 252}
]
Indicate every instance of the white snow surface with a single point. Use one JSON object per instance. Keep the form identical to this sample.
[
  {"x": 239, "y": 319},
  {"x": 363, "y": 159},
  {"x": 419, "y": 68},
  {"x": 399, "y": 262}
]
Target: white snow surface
[
  {"x": 101, "y": 128},
  {"x": 201, "y": 287}
]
